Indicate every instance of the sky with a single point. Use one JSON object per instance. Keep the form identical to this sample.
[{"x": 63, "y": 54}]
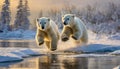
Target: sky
[{"x": 37, "y": 5}]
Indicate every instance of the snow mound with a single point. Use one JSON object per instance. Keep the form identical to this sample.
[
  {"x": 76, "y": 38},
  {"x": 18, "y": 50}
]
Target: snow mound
[
  {"x": 16, "y": 54},
  {"x": 93, "y": 48},
  {"x": 117, "y": 52},
  {"x": 9, "y": 57},
  {"x": 89, "y": 55}
]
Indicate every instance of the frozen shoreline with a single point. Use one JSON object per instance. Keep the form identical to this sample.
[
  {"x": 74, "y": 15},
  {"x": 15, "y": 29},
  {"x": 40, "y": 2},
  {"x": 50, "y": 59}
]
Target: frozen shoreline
[{"x": 16, "y": 54}]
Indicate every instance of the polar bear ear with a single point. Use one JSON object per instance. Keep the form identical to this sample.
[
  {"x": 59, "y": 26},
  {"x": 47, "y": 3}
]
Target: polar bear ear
[
  {"x": 48, "y": 19},
  {"x": 73, "y": 15},
  {"x": 37, "y": 19},
  {"x": 62, "y": 16}
]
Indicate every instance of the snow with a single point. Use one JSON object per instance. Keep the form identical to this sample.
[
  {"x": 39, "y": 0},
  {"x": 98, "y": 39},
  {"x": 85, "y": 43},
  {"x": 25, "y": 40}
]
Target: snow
[
  {"x": 18, "y": 34},
  {"x": 99, "y": 48},
  {"x": 114, "y": 37},
  {"x": 16, "y": 54}
]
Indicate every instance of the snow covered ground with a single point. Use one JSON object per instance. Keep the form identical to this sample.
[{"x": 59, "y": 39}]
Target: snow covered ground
[
  {"x": 18, "y": 34},
  {"x": 16, "y": 54}
]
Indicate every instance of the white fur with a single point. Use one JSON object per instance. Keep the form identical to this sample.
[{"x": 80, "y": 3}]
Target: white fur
[
  {"x": 78, "y": 28},
  {"x": 49, "y": 35}
]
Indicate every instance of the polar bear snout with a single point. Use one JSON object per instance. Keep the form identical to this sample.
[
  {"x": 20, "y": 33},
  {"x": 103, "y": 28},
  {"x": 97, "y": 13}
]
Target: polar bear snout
[
  {"x": 43, "y": 27},
  {"x": 65, "y": 23}
]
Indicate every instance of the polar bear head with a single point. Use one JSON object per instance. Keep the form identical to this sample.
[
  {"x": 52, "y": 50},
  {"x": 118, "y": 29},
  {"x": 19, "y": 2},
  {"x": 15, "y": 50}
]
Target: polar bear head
[
  {"x": 43, "y": 23},
  {"x": 68, "y": 19}
]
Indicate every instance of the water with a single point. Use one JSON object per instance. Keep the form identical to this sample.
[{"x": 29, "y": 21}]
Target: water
[
  {"x": 54, "y": 61},
  {"x": 57, "y": 61}
]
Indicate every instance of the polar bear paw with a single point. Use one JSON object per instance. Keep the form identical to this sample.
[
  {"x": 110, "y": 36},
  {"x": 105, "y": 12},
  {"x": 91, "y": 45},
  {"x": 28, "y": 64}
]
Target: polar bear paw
[
  {"x": 74, "y": 37},
  {"x": 65, "y": 39},
  {"x": 40, "y": 43}
]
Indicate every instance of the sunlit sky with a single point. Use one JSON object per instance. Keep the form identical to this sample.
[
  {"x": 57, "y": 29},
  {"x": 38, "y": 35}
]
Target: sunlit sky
[{"x": 37, "y": 5}]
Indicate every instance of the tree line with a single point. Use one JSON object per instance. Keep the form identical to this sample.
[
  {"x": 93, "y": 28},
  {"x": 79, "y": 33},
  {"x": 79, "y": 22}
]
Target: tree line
[{"x": 21, "y": 18}]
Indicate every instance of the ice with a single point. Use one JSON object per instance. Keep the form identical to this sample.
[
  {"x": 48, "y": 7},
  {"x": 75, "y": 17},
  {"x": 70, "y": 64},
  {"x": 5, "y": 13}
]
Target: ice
[
  {"x": 16, "y": 54},
  {"x": 89, "y": 55},
  {"x": 9, "y": 57},
  {"x": 29, "y": 52},
  {"x": 94, "y": 48},
  {"x": 117, "y": 52}
]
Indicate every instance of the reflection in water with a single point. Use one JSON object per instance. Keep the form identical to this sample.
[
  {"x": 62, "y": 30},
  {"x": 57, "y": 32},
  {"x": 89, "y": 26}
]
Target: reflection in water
[
  {"x": 80, "y": 63},
  {"x": 18, "y": 43},
  {"x": 53, "y": 61},
  {"x": 4, "y": 43},
  {"x": 21, "y": 44},
  {"x": 49, "y": 62}
]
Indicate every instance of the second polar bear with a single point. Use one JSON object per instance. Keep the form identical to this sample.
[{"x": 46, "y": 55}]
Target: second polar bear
[
  {"x": 47, "y": 31},
  {"x": 75, "y": 28}
]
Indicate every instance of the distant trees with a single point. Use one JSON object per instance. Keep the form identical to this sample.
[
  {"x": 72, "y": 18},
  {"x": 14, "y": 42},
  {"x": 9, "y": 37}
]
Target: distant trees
[
  {"x": 5, "y": 16},
  {"x": 26, "y": 13},
  {"x": 21, "y": 19}
]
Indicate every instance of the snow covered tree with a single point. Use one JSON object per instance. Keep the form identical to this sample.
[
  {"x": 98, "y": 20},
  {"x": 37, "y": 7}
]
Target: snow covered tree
[
  {"x": 5, "y": 16},
  {"x": 26, "y": 13},
  {"x": 19, "y": 15},
  {"x": 22, "y": 21}
]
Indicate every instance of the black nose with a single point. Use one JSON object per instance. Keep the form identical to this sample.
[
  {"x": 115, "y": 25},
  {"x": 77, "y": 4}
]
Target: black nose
[
  {"x": 42, "y": 27},
  {"x": 65, "y": 23}
]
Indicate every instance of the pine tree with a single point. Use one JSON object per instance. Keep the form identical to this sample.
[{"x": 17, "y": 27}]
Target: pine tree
[
  {"x": 5, "y": 16},
  {"x": 22, "y": 21},
  {"x": 19, "y": 16},
  {"x": 26, "y": 12}
]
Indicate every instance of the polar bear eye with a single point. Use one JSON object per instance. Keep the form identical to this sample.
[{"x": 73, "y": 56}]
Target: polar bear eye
[{"x": 67, "y": 18}]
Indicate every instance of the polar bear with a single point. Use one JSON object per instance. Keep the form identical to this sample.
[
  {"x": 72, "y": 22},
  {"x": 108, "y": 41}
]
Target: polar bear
[
  {"x": 75, "y": 28},
  {"x": 47, "y": 31}
]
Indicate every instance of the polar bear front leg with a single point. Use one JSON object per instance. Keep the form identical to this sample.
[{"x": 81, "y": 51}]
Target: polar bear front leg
[
  {"x": 66, "y": 33},
  {"x": 77, "y": 35},
  {"x": 53, "y": 45},
  {"x": 40, "y": 40}
]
